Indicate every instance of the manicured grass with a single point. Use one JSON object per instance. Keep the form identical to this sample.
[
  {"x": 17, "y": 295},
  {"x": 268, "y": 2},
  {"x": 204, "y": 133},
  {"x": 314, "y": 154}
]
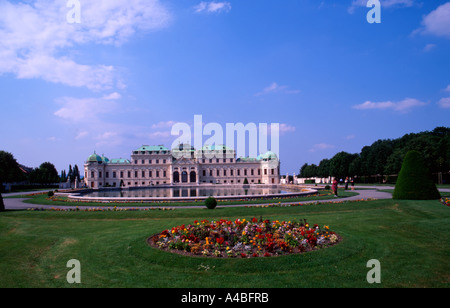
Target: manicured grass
[
  {"x": 43, "y": 199},
  {"x": 409, "y": 238}
]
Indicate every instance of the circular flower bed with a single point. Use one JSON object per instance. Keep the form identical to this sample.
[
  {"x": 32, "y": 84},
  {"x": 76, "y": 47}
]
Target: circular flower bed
[{"x": 244, "y": 239}]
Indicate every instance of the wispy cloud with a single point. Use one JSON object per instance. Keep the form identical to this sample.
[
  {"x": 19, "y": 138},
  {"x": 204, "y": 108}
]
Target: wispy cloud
[
  {"x": 213, "y": 7},
  {"x": 276, "y": 88},
  {"x": 437, "y": 23},
  {"x": 86, "y": 110},
  {"x": 34, "y": 34},
  {"x": 321, "y": 147},
  {"x": 384, "y": 3},
  {"x": 444, "y": 102},
  {"x": 402, "y": 106},
  {"x": 163, "y": 124},
  {"x": 447, "y": 89}
]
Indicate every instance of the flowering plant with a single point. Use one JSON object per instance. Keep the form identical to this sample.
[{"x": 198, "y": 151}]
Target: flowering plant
[{"x": 244, "y": 238}]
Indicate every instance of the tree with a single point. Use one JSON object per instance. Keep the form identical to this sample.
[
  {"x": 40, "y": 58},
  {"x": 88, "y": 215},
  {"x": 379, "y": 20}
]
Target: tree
[
  {"x": 9, "y": 172},
  {"x": 323, "y": 170},
  {"x": 414, "y": 181},
  {"x": 340, "y": 164},
  {"x": 45, "y": 174}
]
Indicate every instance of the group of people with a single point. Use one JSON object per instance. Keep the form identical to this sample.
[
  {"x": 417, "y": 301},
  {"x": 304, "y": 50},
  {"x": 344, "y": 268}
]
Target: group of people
[{"x": 347, "y": 181}]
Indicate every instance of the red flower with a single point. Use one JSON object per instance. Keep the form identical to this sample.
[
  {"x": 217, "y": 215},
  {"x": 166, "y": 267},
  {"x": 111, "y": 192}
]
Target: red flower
[
  {"x": 243, "y": 255},
  {"x": 219, "y": 240},
  {"x": 254, "y": 220},
  {"x": 266, "y": 254}
]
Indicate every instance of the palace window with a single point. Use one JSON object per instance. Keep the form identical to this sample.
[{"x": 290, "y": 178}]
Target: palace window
[
  {"x": 265, "y": 171},
  {"x": 218, "y": 172},
  {"x": 107, "y": 174},
  {"x": 224, "y": 172},
  {"x": 259, "y": 171},
  {"x": 143, "y": 174},
  {"x": 143, "y": 161},
  {"x": 239, "y": 172},
  {"x": 135, "y": 175},
  {"x": 251, "y": 171},
  {"x": 204, "y": 172},
  {"x": 231, "y": 173},
  {"x": 210, "y": 172},
  {"x": 157, "y": 174},
  {"x": 164, "y": 173},
  {"x": 157, "y": 161},
  {"x": 245, "y": 172},
  {"x": 150, "y": 173},
  {"x": 129, "y": 175},
  {"x": 121, "y": 174},
  {"x": 114, "y": 174},
  {"x": 92, "y": 174},
  {"x": 99, "y": 174}
]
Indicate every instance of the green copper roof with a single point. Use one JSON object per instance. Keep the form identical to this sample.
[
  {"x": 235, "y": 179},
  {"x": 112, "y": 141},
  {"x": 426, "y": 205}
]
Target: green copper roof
[
  {"x": 119, "y": 161},
  {"x": 269, "y": 156},
  {"x": 214, "y": 147},
  {"x": 94, "y": 158},
  {"x": 152, "y": 148}
]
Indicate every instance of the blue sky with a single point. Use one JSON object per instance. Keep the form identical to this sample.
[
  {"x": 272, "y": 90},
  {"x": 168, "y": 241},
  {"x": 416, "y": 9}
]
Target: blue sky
[{"x": 132, "y": 68}]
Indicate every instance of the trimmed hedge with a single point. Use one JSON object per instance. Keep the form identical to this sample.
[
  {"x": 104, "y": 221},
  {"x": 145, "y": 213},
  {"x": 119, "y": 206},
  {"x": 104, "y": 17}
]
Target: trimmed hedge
[
  {"x": 414, "y": 180},
  {"x": 211, "y": 203}
]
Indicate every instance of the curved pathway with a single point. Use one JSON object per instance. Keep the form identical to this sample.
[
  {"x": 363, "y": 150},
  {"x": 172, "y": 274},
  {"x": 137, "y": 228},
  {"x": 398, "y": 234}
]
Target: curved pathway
[{"x": 18, "y": 204}]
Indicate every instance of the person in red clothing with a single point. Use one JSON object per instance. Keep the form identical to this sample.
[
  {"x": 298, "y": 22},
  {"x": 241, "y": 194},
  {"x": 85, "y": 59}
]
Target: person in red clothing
[{"x": 335, "y": 187}]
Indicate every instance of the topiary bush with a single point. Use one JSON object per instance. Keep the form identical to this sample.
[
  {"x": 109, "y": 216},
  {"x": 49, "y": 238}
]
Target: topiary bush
[
  {"x": 211, "y": 203},
  {"x": 414, "y": 180}
]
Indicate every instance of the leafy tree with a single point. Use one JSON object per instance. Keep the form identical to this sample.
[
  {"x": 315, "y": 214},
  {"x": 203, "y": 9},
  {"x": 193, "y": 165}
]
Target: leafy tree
[
  {"x": 340, "y": 164},
  {"x": 9, "y": 172},
  {"x": 323, "y": 169}
]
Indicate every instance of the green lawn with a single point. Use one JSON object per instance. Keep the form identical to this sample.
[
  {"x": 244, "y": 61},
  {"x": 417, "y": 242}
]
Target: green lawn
[{"x": 409, "y": 238}]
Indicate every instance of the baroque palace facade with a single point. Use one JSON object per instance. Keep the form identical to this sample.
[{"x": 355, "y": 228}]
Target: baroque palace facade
[{"x": 184, "y": 165}]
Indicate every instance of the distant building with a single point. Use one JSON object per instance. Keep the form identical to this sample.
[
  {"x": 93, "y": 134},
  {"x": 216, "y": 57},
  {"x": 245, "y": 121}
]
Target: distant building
[{"x": 184, "y": 165}]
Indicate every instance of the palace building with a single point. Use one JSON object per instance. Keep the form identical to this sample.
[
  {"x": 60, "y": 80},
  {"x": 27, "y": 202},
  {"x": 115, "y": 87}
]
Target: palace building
[{"x": 183, "y": 165}]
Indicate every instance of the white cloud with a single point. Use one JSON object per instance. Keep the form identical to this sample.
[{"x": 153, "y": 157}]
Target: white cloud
[
  {"x": 213, "y": 7},
  {"x": 402, "y": 106},
  {"x": 437, "y": 22},
  {"x": 166, "y": 124},
  {"x": 86, "y": 110},
  {"x": 429, "y": 47},
  {"x": 350, "y": 137},
  {"x": 35, "y": 33},
  {"x": 286, "y": 128},
  {"x": 81, "y": 135},
  {"x": 447, "y": 89},
  {"x": 444, "y": 102},
  {"x": 321, "y": 147},
  {"x": 384, "y": 3},
  {"x": 275, "y": 88}
]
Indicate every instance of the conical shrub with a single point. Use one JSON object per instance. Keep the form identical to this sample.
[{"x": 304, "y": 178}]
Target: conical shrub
[{"x": 414, "y": 180}]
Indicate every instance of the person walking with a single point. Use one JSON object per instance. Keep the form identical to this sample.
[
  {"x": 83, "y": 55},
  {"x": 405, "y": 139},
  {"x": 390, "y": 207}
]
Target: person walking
[
  {"x": 346, "y": 183},
  {"x": 335, "y": 187},
  {"x": 352, "y": 180}
]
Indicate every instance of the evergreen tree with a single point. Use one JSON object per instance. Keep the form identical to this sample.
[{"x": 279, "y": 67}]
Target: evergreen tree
[{"x": 414, "y": 180}]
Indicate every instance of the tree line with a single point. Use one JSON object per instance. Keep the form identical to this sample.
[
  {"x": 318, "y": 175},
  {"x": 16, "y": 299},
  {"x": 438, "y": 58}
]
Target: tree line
[{"x": 384, "y": 157}]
